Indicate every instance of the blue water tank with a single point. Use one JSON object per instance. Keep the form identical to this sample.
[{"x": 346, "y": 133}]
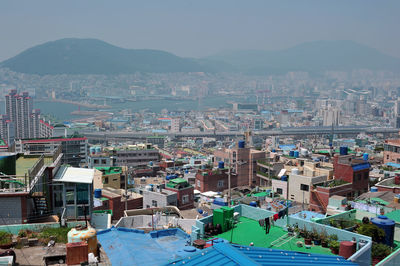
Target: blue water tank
[
  {"x": 97, "y": 193},
  {"x": 296, "y": 154},
  {"x": 200, "y": 211},
  {"x": 374, "y": 189},
  {"x": 387, "y": 225},
  {"x": 284, "y": 178},
  {"x": 98, "y": 149},
  {"x": 92, "y": 150},
  {"x": 151, "y": 163},
  {"x": 253, "y": 204},
  {"x": 365, "y": 156},
  {"x": 241, "y": 144},
  {"x": 291, "y": 153},
  {"x": 273, "y": 150},
  {"x": 343, "y": 150},
  {"x": 221, "y": 165}
]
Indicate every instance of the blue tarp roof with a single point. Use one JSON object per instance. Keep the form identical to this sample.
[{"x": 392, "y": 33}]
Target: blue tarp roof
[
  {"x": 395, "y": 165},
  {"x": 362, "y": 166},
  {"x": 287, "y": 147},
  {"x": 125, "y": 246},
  {"x": 227, "y": 254}
]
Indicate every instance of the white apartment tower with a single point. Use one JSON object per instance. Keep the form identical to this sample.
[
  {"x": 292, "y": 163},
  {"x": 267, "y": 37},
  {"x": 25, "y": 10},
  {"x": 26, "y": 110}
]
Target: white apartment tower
[{"x": 25, "y": 120}]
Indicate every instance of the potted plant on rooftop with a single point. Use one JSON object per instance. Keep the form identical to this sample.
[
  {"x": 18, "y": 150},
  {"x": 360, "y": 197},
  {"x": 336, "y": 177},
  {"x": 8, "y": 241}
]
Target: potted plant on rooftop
[
  {"x": 5, "y": 240},
  {"x": 307, "y": 237},
  {"x": 324, "y": 239},
  {"x": 316, "y": 237},
  {"x": 334, "y": 246},
  {"x": 379, "y": 252}
]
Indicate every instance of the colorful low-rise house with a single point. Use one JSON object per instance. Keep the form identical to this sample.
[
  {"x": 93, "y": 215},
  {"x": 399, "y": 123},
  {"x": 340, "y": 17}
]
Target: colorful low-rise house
[{"x": 185, "y": 192}]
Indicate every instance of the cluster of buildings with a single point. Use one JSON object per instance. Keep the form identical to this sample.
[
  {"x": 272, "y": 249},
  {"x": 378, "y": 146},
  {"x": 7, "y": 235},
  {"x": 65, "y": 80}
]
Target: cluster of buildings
[{"x": 21, "y": 121}]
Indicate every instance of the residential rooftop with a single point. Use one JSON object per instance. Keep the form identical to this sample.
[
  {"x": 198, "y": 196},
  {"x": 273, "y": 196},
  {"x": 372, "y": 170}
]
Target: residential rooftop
[
  {"x": 249, "y": 231},
  {"x": 110, "y": 170}
]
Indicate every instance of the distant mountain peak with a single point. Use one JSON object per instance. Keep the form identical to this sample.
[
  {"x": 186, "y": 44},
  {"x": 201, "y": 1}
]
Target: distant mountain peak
[{"x": 93, "y": 56}]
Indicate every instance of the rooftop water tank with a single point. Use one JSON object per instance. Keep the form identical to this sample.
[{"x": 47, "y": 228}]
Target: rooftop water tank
[
  {"x": 92, "y": 150},
  {"x": 347, "y": 249},
  {"x": 397, "y": 179},
  {"x": 221, "y": 165},
  {"x": 84, "y": 234},
  {"x": 303, "y": 152},
  {"x": 241, "y": 144},
  {"x": 151, "y": 163},
  {"x": 284, "y": 178},
  {"x": 365, "y": 156},
  {"x": 98, "y": 149},
  {"x": 343, "y": 150},
  {"x": 295, "y": 171},
  {"x": 291, "y": 153},
  {"x": 296, "y": 154},
  {"x": 253, "y": 204},
  {"x": 97, "y": 193},
  {"x": 387, "y": 225},
  {"x": 374, "y": 189}
]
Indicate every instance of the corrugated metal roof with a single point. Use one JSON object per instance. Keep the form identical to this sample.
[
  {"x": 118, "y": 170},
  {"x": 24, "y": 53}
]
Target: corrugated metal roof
[
  {"x": 361, "y": 166},
  {"x": 227, "y": 254},
  {"x": 74, "y": 175}
]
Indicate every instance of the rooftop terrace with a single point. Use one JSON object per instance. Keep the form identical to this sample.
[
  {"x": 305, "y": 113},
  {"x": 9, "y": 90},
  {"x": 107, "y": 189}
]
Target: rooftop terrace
[{"x": 249, "y": 230}]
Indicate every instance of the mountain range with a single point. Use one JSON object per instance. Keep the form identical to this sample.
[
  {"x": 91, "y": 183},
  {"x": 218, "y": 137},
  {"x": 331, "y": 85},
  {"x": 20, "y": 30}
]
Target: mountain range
[{"x": 92, "y": 56}]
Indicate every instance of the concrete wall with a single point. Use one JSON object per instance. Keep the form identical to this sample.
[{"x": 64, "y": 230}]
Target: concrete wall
[
  {"x": 164, "y": 199},
  {"x": 147, "y": 221},
  {"x": 280, "y": 184},
  {"x": 15, "y": 228},
  {"x": 10, "y": 210},
  {"x": 295, "y": 193},
  {"x": 392, "y": 260}
]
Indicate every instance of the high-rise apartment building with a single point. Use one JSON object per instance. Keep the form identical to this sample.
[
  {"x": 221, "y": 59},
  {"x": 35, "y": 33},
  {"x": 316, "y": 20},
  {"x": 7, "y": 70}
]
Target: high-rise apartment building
[{"x": 25, "y": 120}]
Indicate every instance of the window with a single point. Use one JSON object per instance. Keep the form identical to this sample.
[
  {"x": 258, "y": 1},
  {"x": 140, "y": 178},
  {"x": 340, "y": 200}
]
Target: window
[
  {"x": 198, "y": 183},
  {"x": 387, "y": 157},
  {"x": 154, "y": 203},
  {"x": 106, "y": 180},
  {"x": 185, "y": 199},
  {"x": 103, "y": 161},
  {"x": 220, "y": 183},
  {"x": 82, "y": 194},
  {"x": 304, "y": 187},
  {"x": 366, "y": 175},
  {"x": 70, "y": 195},
  {"x": 279, "y": 191},
  {"x": 96, "y": 161}
]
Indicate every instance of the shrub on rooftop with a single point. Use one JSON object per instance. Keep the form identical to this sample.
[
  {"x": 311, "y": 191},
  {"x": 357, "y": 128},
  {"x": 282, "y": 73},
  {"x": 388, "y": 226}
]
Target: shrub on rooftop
[
  {"x": 371, "y": 230},
  {"x": 5, "y": 238}
]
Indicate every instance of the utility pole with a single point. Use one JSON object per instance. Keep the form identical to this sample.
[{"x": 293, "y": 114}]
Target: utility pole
[
  {"x": 229, "y": 179},
  {"x": 126, "y": 192}
]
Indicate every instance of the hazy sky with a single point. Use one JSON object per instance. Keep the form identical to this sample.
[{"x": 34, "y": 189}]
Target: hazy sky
[{"x": 202, "y": 27}]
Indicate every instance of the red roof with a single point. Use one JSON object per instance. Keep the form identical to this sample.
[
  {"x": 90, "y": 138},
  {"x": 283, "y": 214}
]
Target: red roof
[
  {"x": 47, "y": 124},
  {"x": 52, "y": 140}
]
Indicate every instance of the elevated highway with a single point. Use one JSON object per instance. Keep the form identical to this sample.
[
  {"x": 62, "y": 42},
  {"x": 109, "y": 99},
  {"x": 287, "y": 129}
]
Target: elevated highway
[{"x": 298, "y": 131}]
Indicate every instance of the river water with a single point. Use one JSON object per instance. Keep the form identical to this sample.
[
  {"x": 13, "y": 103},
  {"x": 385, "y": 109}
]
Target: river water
[{"x": 62, "y": 111}]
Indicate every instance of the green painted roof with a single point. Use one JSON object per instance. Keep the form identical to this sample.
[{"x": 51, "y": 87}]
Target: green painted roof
[
  {"x": 394, "y": 215},
  {"x": 260, "y": 194},
  {"x": 178, "y": 180},
  {"x": 381, "y": 201},
  {"x": 2, "y": 142},
  {"x": 110, "y": 170}
]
